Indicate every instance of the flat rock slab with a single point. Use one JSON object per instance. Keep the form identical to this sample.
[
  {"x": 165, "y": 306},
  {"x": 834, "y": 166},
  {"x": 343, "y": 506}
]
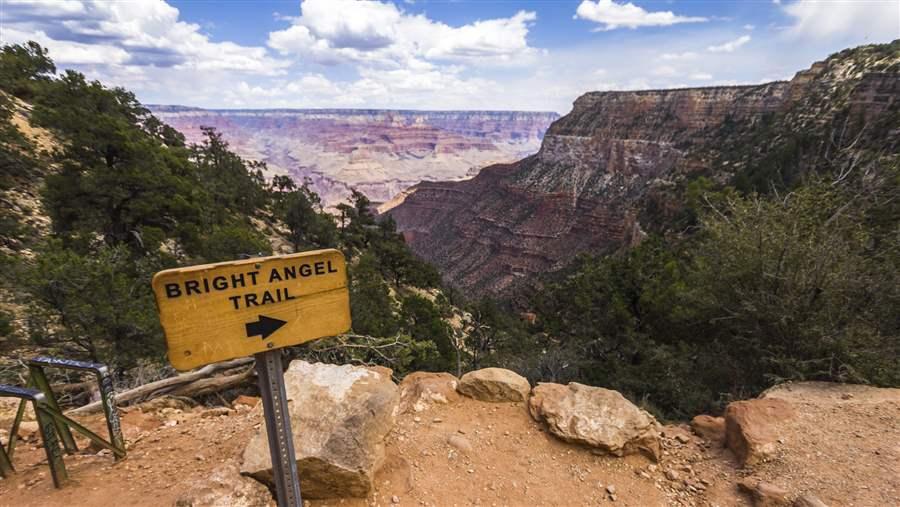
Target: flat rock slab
[
  {"x": 339, "y": 417},
  {"x": 494, "y": 385},
  {"x": 596, "y": 417}
]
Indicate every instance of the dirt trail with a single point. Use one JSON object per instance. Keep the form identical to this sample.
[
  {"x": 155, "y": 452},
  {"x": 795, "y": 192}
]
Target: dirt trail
[{"x": 843, "y": 449}]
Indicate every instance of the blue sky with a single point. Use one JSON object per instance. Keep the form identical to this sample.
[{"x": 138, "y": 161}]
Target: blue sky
[{"x": 484, "y": 54}]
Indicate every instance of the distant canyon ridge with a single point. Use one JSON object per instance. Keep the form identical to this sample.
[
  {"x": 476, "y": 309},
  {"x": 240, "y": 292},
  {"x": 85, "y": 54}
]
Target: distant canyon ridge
[
  {"x": 378, "y": 152},
  {"x": 619, "y": 164}
]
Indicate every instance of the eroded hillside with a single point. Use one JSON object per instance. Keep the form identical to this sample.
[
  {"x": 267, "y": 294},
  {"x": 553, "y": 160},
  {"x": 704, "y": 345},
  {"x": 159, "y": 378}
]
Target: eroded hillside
[{"x": 619, "y": 163}]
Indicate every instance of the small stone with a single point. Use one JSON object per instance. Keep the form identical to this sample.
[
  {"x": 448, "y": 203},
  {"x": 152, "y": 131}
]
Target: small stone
[
  {"x": 460, "y": 443},
  {"x": 808, "y": 500},
  {"x": 215, "y": 412},
  {"x": 417, "y": 419},
  {"x": 437, "y": 420},
  {"x": 682, "y": 438},
  {"x": 672, "y": 475},
  {"x": 764, "y": 494},
  {"x": 611, "y": 489},
  {"x": 395, "y": 499},
  {"x": 249, "y": 401},
  {"x": 652, "y": 468}
]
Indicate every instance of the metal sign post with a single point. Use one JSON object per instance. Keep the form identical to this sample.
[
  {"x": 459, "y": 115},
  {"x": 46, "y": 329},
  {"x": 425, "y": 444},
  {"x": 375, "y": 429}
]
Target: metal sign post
[{"x": 278, "y": 427}]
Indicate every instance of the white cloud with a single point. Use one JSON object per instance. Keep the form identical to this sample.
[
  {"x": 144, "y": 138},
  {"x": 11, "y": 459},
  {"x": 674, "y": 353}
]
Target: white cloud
[
  {"x": 687, "y": 55},
  {"x": 701, "y": 76},
  {"x": 665, "y": 71},
  {"x": 379, "y": 33},
  {"x": 614, "y": 15},
  {"x": 875, "y": 21},
  {"x": 730, "y": 46},
  {"x": 749, "y": 27},
  {"x": 147, "y": 33}
]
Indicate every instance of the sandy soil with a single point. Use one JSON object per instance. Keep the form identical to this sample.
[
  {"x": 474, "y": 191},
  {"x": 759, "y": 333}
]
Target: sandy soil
[{"x": 843, "y": 448}]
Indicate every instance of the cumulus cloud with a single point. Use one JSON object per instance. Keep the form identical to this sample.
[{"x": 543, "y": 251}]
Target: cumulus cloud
[
  {"x": 147, "y": 33},
  {"x": 877, "y": 21},
  {"x": 730, "y": 46},
  {"x": 612, "y": 15},
  {"x": 380, "y": 33}
]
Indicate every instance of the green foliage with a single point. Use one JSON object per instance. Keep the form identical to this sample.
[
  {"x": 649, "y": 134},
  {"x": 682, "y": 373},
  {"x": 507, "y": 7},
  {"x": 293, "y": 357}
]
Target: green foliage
[
  {"x": 6, "y": 326},
  {"x": 229, "y": 242},
  {"x": 423, "y": 321},
  {"x": 115, "y": 180},
  {"x": 235, "y": 184},
  {"x": 23, "y": 67},
  {"x": 98, "y": 306},
  {"x": 397, "y": 262},
  {"x": 16, "y": 152},
  {"x": 310, "y": 226},
  {"x": 803, "y": 287},
  {"x": 800, "y": 287},
  {"x": 371, "y": 305}
]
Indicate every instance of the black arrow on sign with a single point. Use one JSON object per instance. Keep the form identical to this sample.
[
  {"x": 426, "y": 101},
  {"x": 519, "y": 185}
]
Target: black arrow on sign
[{"x": 265, "y": 326}]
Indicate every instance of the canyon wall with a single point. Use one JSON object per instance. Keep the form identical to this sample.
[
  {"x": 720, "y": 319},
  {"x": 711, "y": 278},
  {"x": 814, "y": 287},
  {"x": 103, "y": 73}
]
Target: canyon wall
[
  {"x": 600, "y": 166},
  {"x": 378, "y": 152}
]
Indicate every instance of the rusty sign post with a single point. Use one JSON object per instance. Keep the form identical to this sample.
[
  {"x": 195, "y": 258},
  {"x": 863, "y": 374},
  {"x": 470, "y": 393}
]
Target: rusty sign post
[{"x": 216, "y": 312}]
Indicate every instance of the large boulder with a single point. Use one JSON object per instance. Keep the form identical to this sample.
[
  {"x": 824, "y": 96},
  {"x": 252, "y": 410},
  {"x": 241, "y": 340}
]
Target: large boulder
[
  {"x": 339, "y": 417},
  {"x": 752, "y": 428},
  {"x": 596, "y": 417},
  {"x": 494, "y": 384},
  {"x": 420, "y": 390}
]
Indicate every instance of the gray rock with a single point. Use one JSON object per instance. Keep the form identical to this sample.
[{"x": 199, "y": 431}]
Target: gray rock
[
  {"x": 596, "y": 417},
  {"x": 460, "y": 442},
  {"x": 339, "y": 416},
  {"x": 225, "y": 487},
  {"x": 495, "y": 385}
]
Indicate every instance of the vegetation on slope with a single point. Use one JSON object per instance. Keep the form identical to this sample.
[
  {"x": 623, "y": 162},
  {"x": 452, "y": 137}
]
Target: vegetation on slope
[
  {"x": 788, "y": 270},
  {"x": 127, "y": 197}
]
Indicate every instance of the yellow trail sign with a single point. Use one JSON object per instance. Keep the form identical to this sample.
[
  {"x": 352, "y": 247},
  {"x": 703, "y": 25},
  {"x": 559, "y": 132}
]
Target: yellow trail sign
[{"x": 214, "y": 312}]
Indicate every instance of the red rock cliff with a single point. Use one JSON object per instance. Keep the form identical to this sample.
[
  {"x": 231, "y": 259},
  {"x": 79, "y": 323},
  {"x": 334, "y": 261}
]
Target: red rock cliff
[{"x": 585, "y": 188}]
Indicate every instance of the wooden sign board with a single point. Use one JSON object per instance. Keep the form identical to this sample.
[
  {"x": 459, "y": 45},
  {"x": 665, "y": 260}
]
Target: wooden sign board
[{"x": 214, "y": 312}]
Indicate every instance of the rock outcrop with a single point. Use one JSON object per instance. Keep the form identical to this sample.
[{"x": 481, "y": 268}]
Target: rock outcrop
[
  {"x": 596, "y": 417},
  {"x": 616, "y": 164},
  {"x": 495, "y": 385},
  {"x": 339, "y": 416},
  {"x": 752, "y": 428},
  {"x": 379, "y": 152}
]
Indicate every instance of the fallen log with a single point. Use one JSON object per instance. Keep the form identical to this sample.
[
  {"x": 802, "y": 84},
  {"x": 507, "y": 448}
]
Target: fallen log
[
  {"x": 213, "y": 384},
  {"x": 179, "y": 385}
]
